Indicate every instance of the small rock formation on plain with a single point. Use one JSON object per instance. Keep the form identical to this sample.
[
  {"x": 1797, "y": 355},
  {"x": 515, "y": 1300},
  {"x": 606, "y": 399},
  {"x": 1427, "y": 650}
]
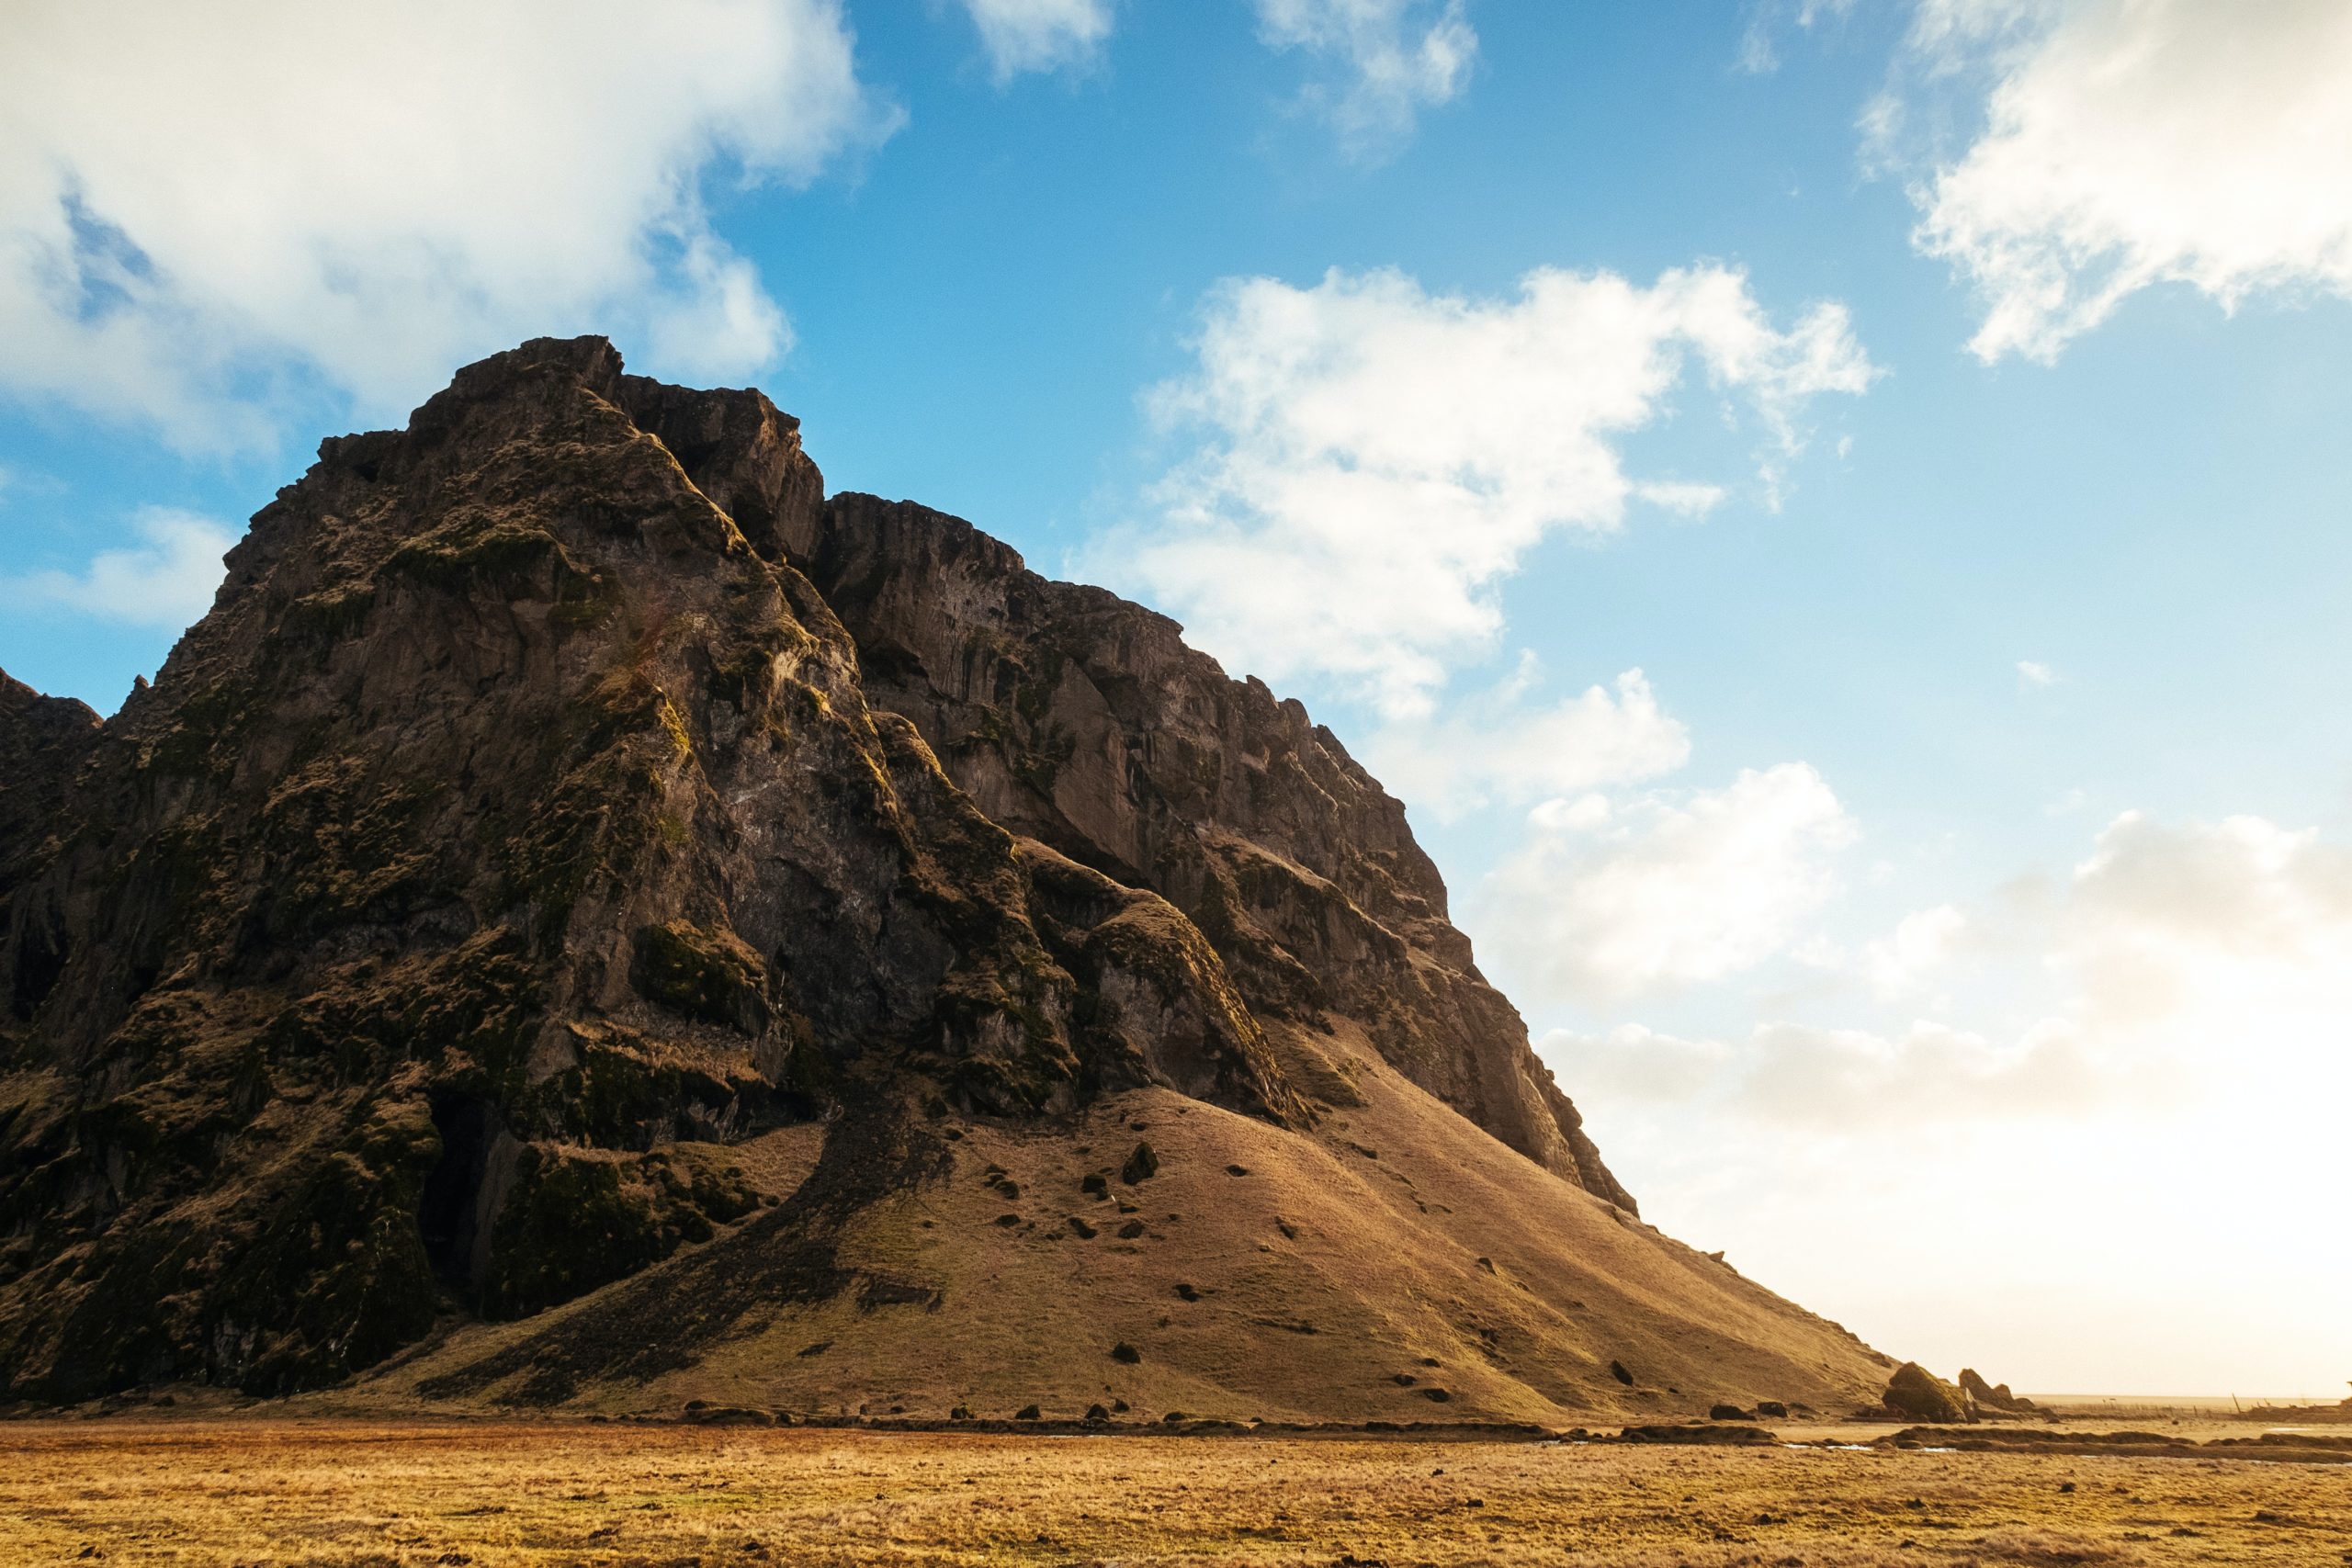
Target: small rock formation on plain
[
  {"x": 1986, "y": 1396},
  {"x": 1915, "y": 1394},
  {"x": 586, "y": 920}
]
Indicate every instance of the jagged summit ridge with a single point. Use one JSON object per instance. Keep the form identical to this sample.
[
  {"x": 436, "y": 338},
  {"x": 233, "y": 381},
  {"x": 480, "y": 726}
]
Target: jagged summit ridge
[{"x": 570, "y": 839}]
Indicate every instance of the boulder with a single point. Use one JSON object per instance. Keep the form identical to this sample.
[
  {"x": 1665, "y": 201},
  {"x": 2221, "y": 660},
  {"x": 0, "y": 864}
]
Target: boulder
[
  {"x": 1917, "y": 1394},
  {"x": 1994, "y": 1396}
]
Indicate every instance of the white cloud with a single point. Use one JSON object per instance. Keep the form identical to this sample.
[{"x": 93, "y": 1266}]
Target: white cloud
[
  {"x": 1833, "y": 1079},
  {"x": 1635, "y": 1062},
  {"x": 2181, "y": 999},
  {"x": 2220, "y": 949},
  {"x": 1928, "y": 1073},
  {"x": 2032, "y": 673},
  {"x": 1040, "y": 35},
  {"x": 2127, "y": 143},
  {"x": 2238, "y": 932},
  {"x": 1920, "y": 943},
  {"x": 1759, "y": 51},
  {"x": 200, "y": 205},
  {"x": 1391, "y": 58},
  {"x": 1602, "y": 902},
  {"x": 167, "y": 581},
  {"x": 1500, "y": 748},
  {"x": 1374, "y": 459}
]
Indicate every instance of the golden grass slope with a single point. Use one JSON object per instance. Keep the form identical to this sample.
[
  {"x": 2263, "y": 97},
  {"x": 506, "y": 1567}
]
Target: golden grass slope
[{"x": 1395, "y": 1264}]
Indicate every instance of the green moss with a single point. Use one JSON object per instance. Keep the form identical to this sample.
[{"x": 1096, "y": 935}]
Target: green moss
[
  {"x": 348, "y": 842},
  {"x": 454, "y": 556},
  {"x": 710, "y": 1175},
  {"x": 623, "y": 1089},
  {"x": 327, "y": 614},
  {"x": 709, "y": 974},
  {"x": 595, "y": 809}
]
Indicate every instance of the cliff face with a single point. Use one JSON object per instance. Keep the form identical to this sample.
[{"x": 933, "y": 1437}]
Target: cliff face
[
  {"x": 1071, "y": 715},
  {"x": 570, "y": 840},
  {"x": 510, "y": 800}
]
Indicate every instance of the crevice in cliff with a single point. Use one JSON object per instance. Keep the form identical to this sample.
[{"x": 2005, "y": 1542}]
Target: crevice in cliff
[{"x": 452, "y": 1215}]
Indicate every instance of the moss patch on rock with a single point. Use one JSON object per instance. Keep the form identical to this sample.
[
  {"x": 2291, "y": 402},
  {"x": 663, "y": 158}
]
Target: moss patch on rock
[
  {"x": 576, "y": 1219},
  {"x": 702, "y": 973}
]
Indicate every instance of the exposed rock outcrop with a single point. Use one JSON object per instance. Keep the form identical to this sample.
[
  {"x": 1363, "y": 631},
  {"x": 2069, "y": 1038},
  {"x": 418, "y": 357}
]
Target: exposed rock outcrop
[
  {"x": 1992, "y": 1396},
  {"x": 564, "y": 808}
]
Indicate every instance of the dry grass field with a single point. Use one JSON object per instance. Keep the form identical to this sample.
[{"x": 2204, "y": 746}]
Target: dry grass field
[{"x": 349, "y": 1493}]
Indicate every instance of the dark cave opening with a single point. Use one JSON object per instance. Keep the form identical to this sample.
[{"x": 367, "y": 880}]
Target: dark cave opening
[
  {"x": 40, "y": 962},
  {"x": 450, "y": 1214}
]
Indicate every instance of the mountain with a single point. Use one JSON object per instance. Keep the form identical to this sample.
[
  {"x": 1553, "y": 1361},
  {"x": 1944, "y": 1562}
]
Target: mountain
[{"x": 588, "y": 921}]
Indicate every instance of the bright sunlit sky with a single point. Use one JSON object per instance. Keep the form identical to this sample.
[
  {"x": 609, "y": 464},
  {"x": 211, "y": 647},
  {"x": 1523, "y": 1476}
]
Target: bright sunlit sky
[{"x": 1832, "y": 515}]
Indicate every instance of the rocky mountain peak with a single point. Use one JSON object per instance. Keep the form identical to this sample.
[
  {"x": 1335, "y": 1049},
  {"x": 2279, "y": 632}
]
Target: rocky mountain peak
[{"x": 564, "y": 808}]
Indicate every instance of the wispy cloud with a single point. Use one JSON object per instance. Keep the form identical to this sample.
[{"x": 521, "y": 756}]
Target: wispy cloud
[
  {"x": 167, "y": 580},
  {"x": 1040, "y": 35},
  {"x": 1388, "y": 61}
]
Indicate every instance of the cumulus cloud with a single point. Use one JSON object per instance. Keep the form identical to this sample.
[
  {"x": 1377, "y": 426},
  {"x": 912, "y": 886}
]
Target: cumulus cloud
[
  {"x": 1373, "y": 461},
  {"x": 2033, "y": 673},
  {"x": 1389, "y": 60},
  {"x": 1827, "y": 1079},
  {"x": 200, "y": 204},
  {"x": 2127, "y": 143},
  {"x": 1497, "y": 748},
  {"x": 2240, "y": 926},
  {"x": 2196, "y": 985},
  {"x": 1635, "y": 1062},
  {"x": 2211, "y": 953},
  {"x": 1040, "y": 35},
  {"x": 1920, "y": 943},
  {"x": 167, "y": 580},
  {"x": 1605, "y": 901}
]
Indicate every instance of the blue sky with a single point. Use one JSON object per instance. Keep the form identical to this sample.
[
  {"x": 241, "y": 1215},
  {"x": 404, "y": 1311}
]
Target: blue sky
[{"x": 1831, "y": 515}]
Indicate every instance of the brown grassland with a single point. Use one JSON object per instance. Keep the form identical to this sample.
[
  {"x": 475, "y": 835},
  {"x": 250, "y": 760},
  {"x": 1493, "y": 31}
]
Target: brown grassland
[{"x": 351, "y": 1493}]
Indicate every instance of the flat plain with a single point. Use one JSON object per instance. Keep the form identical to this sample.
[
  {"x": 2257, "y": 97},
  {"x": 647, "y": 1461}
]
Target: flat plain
[{"x": 357, "y": 1494}]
